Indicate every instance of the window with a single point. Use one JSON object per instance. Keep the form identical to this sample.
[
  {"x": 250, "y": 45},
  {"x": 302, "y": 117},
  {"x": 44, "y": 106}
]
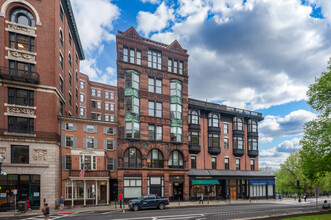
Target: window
[
  {"x": 76, "y": 93},
  {"x": 237, "y": 163},
  {"x": 226, "y": 163},
  {"x": 252, "y": 144},
  {"x": 238, "y": 143},
  {"x": 176, "y": 159},
  {"x": 20, "y": 97},
  {"x": 69, "y": 141},
  {"x": 61, "y": 108},
  {"x": 176, "y": 134},
  {"x": 132, "y": 80},
  {"x": 155, "y": 85},
  {"x": 19, "y": 154},
  {"x": 21, "y": 42},
  {"x": 66, "y": 163},
  {"x": 226, "y": 128},
  {"x": 155, "y": 109},
  {"x": 213, "y": 140},
  {"x": 252, "y": 126},
  {"x": 237, "y": 124},
  {"x": 76, "y": 110},
  {"x": 70, "y": 78},
  {"x": 125, "y": 54},
  {"x": 89, "y": 143},
  {"x": 132, "y": 130},
  {"x": 109, "y": 130},
  {"x": 112, "y": 107},
  {"x": 82, "y": 111},
  {"x": 155, "y": 159},
  {"x": 111, "y": 164},
  {"x": 98, "y": 93},
  {"x": 175, "y": 88},
  {"x": 21, "y": 69},
  {"x": 111, "y": 95},
  {"x": 93, "y": 92},
  {"x": 138, "y": 57},
  {"x": 155, "y": 132},
  {"x": 61, "y": 37},
  {"x": 131, "y": 55},
  {"x": 181, "y": 64},
  {"x": 226, "y": 143},
  {"x": 194, "y": 138},
  {"x": 193, "y": 162},
  {"x": 169, "y": 65},
  {"x": 112, "y": 118},
  {"x": 82, "y": 84},
  {"x": 106, "y": 95},
  {"x": 154, "y": 59},
  {"x": 70, "y": 60},
  {"x": 132, "y": 158},
  {"x": 93, "y": 104},
  {"x": 213, "y": 163},
  {"x": 82, "y": 98},
  {"x": 89, "y": 161},
  {"x": 77, "y": 59},
  {"x": 213, "y": 120},
  {"x": 106, "y": 117},
  {"x": 99, "y": 105},
  {"x": 22, "y": 16},
  {"x": 132, "y": 105},
  {"x": 61, "y": 61},
  {"x": 96, "y": 116},
  {"x": 107, "y": 106},
  {"x": 176, "y": 111},
  {"x": 194, "y": 117},
  {"x": 70, "y": 40},
  {"x": 20, "y": 125},
  {"x": 252, "y": 164},
  {"x": 111, "y": 144},
  {"x": 175, "y": 66},
  {"x": 70, "y": 100},
  {"x": 61, "y": 13},
  {"x": 70, "y": 126}
]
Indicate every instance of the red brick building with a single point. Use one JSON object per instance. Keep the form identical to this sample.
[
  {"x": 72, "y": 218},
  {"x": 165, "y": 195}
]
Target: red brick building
[
  {"x": 152, "y": 81},
  {"x": 40, "y": 51}
]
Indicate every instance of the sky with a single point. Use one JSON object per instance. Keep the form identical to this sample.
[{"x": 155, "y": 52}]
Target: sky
[{"x": 259, "y": 55}]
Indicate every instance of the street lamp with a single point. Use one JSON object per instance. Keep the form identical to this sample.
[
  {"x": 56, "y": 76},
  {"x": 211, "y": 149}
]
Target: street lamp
[{"x": 1, "y": 161}]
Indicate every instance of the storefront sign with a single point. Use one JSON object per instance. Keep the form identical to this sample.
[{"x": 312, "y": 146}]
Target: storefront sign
[
  {"x": 3, "y": 195},
  {"x": 179, "y": 178},
  {"x": 203, "y": 177}
]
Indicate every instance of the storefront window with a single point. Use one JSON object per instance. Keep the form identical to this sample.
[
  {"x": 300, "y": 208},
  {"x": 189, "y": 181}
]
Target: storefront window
[{"x": 132, "y": 186}]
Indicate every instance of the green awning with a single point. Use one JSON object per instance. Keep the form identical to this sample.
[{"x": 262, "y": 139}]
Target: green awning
[{"x": 205, "y": 182}]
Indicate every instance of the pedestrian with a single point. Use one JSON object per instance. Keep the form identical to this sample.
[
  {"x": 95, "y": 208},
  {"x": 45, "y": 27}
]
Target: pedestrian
[
  {"x": 305, "y": 197},
  {"x": 29, "y": 206},
  {"x": 61, "y": 203},
  {"x": 295, "y": 196},
  {"x": 45, "y": 211},
  {"x": 201, "y": 198}
]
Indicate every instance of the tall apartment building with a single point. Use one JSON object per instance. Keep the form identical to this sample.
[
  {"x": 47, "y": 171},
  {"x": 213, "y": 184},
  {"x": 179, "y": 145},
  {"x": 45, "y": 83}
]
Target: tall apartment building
[
  {"x": 223, "y": 144},
  {"x": 40, "y": 51},
  {"x": 152, "y": 81}
]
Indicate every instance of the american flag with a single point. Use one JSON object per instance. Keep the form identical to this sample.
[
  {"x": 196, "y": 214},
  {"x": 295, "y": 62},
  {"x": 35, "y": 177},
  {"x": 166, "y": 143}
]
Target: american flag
[{"x": 82, "y": 171}]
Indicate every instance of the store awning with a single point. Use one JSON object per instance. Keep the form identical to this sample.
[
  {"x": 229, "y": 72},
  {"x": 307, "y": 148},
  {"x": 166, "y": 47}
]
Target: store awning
[
  {"x": 205, "y": 182},
  {"x": 258, "y": 182}
]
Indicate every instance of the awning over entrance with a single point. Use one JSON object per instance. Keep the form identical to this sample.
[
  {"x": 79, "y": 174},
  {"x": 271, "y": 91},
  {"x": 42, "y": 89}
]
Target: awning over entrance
[
  {"x": 259, "y": 182},
  {"x": 205, "y": 182}
]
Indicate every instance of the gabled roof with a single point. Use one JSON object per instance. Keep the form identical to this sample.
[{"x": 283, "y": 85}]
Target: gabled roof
[
  {"x": 176, "y": 47},
  {"x": 132, "y": 33},
  {"x": 73, "y": 27}
]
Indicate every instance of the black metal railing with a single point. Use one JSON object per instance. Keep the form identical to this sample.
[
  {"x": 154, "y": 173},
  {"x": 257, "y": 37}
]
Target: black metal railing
[
  {"x": 34, "y": 134},
  {"x": 19, "y": 75}
]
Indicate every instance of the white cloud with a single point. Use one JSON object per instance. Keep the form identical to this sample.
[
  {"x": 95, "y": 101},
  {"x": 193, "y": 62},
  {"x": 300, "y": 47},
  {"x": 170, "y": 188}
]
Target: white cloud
[
  {"x": 95, "y": 22},
  {"x": 89, "y": 67},
  {"x": 149, "y": 22},
  {"x": 151, "y": 1},
  {"x": 290, "y": 125},
  {"x": 273, "y": 157}
]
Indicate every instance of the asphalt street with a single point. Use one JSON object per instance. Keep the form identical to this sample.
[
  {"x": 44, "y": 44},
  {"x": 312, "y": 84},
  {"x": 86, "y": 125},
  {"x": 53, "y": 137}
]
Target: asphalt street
[{"x": 232, "y": 211}]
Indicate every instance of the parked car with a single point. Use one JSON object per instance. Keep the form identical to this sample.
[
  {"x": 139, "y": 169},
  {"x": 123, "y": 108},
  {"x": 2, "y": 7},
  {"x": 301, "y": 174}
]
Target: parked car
[{"x": 148, "y": 201}]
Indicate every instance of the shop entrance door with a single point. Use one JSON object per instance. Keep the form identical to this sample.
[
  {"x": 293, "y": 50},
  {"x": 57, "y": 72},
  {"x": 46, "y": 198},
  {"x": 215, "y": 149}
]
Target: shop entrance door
[
  {"x": 156, "y": 190},
  {"x": 178, "y": 191},
  {"x": 233, "y": 193},
  {"x": 103, "y": 194}
]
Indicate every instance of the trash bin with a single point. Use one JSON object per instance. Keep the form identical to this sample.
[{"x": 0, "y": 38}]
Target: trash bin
[{"x": 22, "y": 206}]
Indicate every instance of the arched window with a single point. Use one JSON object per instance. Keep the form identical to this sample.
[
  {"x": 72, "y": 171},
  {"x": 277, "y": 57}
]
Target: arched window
[
  {"x": 132, "y": 158},
  {"x": 176, "y": 160},
  {"x": 237, "y": 124},
  {"x": 194, "y": 117},
  {"x": 22, "y": 16},
  {"x": 61, "y": 38},
  {"x": 213, "y": 120},
  {"x": 155, "y": 159},
  {"x": 252, "y": 126},
  {"x": 70, "y": 60}
]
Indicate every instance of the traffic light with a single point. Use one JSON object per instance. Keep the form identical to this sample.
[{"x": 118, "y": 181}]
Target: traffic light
[{"x": 298, "y": 184}]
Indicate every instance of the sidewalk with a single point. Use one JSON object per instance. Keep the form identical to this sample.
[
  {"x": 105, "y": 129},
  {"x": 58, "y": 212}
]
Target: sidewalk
[{"x": 111, "y": 207}]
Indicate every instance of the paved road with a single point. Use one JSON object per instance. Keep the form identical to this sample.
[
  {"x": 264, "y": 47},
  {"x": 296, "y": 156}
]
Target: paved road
[{"x": 232, "y": 211}]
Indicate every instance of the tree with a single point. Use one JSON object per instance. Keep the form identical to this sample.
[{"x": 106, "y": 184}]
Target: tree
[{"x": 316, "y": 142}]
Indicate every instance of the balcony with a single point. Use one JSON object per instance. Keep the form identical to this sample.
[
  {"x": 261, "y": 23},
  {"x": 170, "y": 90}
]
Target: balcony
[
  {"x": 253, "y": 153},
  {"x": 90, "y": 173},
  {"x": 194, "y": 149},
  {"x": 214, "y": 150},
  {"x": 34, "y": 134},
  {"x": 19, "y": 75},
  {"x": 238, "y": 152}
]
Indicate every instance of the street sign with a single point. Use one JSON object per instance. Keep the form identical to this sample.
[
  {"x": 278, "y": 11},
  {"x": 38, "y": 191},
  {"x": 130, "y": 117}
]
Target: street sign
[
  {"x": 317, "y": 191},
  {"x": 15, "y": 192}
]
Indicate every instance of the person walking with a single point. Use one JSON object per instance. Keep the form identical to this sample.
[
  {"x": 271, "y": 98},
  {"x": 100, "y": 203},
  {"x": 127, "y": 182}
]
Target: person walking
[
  {"x": 61, "y": 203},
  {"x": 201, "y": 198},
  {"x": 45, "y": 210},
  {"x": 305, "y": 197}
]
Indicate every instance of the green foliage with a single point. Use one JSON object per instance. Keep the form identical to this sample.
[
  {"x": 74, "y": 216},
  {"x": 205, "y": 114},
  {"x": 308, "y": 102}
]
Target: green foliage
[
  {"x": 316, "y": 142},
  {"x": 311, "y": 217}
]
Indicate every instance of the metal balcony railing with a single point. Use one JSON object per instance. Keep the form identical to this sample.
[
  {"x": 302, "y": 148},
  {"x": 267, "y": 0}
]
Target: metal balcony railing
[
  {"x": 33, "y": 134},
  {"x": 19, "y": 75}
]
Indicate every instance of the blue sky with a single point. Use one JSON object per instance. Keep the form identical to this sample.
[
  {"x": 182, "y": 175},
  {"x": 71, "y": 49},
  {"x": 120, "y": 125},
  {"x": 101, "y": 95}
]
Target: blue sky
[{"x": 254, "y": 54}]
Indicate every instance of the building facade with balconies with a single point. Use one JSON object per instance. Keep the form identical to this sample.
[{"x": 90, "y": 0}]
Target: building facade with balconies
[
  {"x": 223, "y": 144},
  {"x": 40, "y": 51},
  {"x": 152, "y": 81}
]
